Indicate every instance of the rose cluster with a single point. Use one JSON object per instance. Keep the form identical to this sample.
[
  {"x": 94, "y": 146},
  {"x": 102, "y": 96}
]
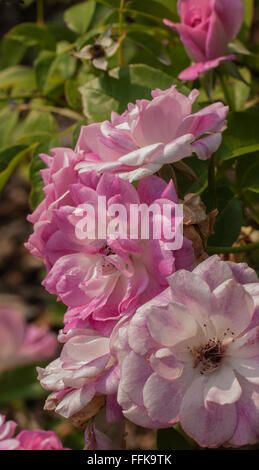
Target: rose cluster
[{"x": 146, "y": 334}]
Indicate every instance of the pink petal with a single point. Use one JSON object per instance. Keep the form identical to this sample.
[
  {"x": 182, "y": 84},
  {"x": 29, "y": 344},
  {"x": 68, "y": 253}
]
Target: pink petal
[
  {"x": 216, "y": 41},
  {"x": 214, "y": 271},
  {"x": 194, "y": 71},
  {"x": 231, "y": 14},
  {"x": 75, "y": 401},
  {"x": 246, "y": 431},
  {"x": 171, "y": 325},
  {"x": 162, "y": 399},
  {"x": 211, "y": 426},
  {"x": 222, "y": 387},
  {"x": 190, "y": 290},
  {"x": 248, "y": 368},
  {"x": 152, "y": 188},
  {"x": 232, "y": 308},
  {"x": 205, "y": 147}
]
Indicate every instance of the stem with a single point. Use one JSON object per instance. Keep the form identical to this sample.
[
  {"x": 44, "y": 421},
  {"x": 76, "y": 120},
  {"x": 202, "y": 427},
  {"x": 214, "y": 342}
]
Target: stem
[
  {"x": 120, "y": 52},
  {"x": 40, "y": 12},
  {"x": 212, "y": 250},
  {"x": 212, "y": 182},
  {"x": 228, "y": 98},
  {"x": 53, "y": 109}
]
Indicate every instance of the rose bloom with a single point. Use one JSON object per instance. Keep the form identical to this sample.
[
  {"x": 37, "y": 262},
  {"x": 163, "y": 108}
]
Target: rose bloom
[
  {"x": 84, "y": 369},
  {"x": 102, "y": 279},
  {"x": 191, "y": 356},
  {"x": 27, "y": 440},
  {"x": 22, "y": 343},
  {"x": 150, "y": 134},
  {"x": 206, "y": 28}
]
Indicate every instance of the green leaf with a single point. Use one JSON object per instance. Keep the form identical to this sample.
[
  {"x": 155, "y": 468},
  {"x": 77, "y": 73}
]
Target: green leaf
[
  {"x": 178, "y": 56},
  {"x": 237, "y": 47},
  {"x": 252, "y": 203},
  {"x": 15, "y": 76},
  {"x": 113, "y": 92},
  {"x": 36, "y": 127},
  {"x": 20, "y": 384},
  {"x": 151, "y": 9},
  {"x": 171, "y": 5},
  {"x": 8, "y": 121},
  {"x": 240, "y": 90},
  {"x": 7, "y": 155},
  {"x": 228, "y": 225},
  {"x": 26, "y": 86},
  {"x": 171, "y": 439},
  {"x": 110, "y": 3},
  {"x": 33, "y": 35},
  {"x": 147, "y": 42},
  {"x": 9, "y": 159},
  {"x": 250, "y": 177},
  {"x": 228, "y": 67},
  {"x": 52, "y": 70},
  {"x": 41, "y": 67},
  {"x": 243, "y": 166},
  {"x": 186, "y": 183},
  {"x": 73, "y": 96},
  {"x": 12, "y": 52},
  {"x": 78, "y": 17},
  {"x": 248, "y": 18},
  {"x": 241, "y": 136}
]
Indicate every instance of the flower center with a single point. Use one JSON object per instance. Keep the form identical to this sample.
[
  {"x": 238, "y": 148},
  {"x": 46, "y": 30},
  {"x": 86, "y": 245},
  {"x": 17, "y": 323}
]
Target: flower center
[
  {"x": 208, "y": 356},
  {"x": 108, "y": 250},
  {"x": 196, "y": 21},
  {"x": 96, "y": 51}
]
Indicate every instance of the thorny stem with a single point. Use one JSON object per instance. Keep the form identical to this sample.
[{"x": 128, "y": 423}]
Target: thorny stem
[
  {"x": 212, "y": 250},
  {"x": 121, "y": 34}
]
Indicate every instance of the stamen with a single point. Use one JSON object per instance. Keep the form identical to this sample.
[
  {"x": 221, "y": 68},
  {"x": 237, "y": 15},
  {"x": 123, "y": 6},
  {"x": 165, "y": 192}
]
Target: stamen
[{"x": 208, "y": 356}]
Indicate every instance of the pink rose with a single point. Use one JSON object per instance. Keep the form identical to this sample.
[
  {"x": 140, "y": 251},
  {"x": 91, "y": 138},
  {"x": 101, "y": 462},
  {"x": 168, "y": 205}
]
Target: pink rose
[
  {"x": 27, "y": 440},
  {"x": 191, "y": 355},
  {"x": 21, "y": 343},
  {"x": 102, "y": 279},
  {"x": 39, "y": 440},
  {"x": 85, "y": 368},
  {"x": 7, "y": 439},
  {"x": 206, "y": 28},
  {"x": 150, "y": 134}
]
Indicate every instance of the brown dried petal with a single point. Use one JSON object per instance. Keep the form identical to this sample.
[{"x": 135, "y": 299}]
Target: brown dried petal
[{"x": 81, "y": 418}]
